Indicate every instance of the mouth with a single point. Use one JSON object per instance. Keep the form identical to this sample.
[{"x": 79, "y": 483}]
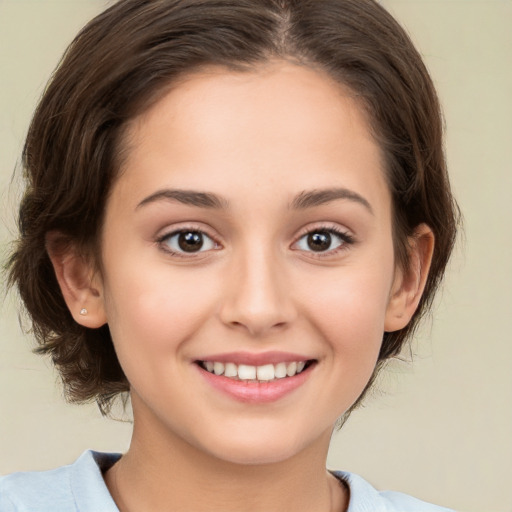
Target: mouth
[
  {"x": 256, "y": 378},
  {"x": 265, "y": 373}
]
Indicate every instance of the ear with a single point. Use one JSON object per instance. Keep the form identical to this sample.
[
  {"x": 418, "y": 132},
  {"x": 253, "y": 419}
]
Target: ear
[
  {"x": 409, "y": 283},
  {"x": 80, "y": 284}
]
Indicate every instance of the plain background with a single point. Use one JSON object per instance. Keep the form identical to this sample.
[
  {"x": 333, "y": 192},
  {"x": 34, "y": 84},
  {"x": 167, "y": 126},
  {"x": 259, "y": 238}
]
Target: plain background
[{"x": 439, "y": 428}]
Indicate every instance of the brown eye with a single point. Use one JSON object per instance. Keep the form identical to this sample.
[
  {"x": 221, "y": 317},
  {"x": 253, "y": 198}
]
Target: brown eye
[
  {"x": 324, "y": 241},
  {"x": 188, "y": 241},
  {"x": 319, "y": 241}
]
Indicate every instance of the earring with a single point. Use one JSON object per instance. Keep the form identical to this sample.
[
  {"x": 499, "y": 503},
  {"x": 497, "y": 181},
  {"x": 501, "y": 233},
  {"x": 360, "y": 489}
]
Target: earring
[{"x": 83, "y": 311}]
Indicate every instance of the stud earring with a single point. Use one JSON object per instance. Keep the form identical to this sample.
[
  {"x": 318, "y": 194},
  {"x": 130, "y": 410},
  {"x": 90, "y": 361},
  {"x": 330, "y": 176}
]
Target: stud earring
[{"x": 83, "y": 311}]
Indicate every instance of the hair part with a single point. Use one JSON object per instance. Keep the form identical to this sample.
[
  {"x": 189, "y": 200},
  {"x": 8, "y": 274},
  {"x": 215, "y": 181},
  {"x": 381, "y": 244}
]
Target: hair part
[{"x": 126, "y": 59}]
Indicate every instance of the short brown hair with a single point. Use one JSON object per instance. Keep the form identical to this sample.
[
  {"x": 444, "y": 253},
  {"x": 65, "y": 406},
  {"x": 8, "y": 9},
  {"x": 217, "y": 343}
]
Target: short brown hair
[{"x": 127, "y": 57}]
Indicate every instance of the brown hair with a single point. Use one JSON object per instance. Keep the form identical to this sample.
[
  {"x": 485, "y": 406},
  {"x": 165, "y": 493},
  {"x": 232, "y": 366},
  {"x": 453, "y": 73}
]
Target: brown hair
[{"x": 125, "y": 59}]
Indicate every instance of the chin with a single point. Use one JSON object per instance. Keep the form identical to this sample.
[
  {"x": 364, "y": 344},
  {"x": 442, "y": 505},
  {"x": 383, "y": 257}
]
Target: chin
[
  {"x": 259, "y": 447},
  {"x": 255, "y": 455}
]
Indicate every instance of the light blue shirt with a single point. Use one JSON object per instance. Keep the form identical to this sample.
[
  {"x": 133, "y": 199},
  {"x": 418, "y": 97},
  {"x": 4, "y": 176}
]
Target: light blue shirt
[{"x": 80, "y": 487}]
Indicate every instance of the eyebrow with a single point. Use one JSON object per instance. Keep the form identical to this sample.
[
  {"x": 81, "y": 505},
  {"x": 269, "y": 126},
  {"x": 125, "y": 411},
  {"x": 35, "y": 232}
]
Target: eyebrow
[
  {"x": 188, "y": 197},
  {"x": 304, "y": 200},
  {"x": 309, "y": 199}
]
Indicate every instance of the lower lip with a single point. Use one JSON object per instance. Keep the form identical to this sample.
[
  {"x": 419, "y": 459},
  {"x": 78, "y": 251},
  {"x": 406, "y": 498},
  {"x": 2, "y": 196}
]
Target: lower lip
[{"x": 256, "y": 392}]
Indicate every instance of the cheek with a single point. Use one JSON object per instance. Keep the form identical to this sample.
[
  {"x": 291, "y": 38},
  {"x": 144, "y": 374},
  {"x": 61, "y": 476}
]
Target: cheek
[
  {"x": 153, "y": 311},
  {"x": 349, "y": 310}
]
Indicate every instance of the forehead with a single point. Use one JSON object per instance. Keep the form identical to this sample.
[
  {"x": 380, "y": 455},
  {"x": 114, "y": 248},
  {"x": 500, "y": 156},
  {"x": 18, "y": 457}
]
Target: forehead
[{"x": 280, "y": 126}]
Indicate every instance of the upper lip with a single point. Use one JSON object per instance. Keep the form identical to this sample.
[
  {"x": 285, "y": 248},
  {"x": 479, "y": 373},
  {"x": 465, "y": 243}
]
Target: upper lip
[{"x": 255, "y": 359}]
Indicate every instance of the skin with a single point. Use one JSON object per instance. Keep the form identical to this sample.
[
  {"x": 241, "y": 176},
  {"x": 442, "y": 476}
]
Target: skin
[{"x": 257, "y": 140}]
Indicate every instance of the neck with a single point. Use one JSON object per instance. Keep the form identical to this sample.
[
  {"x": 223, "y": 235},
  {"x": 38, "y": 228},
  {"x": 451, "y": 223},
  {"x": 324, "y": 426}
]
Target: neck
[{"x": 161, "y": 472}]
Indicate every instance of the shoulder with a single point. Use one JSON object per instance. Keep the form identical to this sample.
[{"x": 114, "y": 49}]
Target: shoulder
[
  {"x": 365, "y": 498},
  {"x": 79, "y": 486}
]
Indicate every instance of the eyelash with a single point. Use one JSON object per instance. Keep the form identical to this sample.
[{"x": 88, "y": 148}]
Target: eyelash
[
  {"x": 161, "y": 241},
  {"x": 345, "y": 240}
]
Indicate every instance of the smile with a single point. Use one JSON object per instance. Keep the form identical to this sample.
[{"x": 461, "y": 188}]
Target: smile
[
  {"x": 256, "y": 378},
  {"x": 263, "y": 373}
]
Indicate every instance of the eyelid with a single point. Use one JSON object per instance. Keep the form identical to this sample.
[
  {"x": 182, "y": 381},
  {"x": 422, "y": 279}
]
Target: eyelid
[
  {"x": 344, "y": 234},
  {"x": 184, "y": 228}
]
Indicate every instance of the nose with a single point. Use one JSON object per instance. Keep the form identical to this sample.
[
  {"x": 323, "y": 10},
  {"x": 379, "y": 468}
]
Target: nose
[{"x": 257, "y": 296}]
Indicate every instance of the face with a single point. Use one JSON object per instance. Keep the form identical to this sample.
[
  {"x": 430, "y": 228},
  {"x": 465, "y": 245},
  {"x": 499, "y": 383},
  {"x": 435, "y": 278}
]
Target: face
[{"x": 247, "y": 261}]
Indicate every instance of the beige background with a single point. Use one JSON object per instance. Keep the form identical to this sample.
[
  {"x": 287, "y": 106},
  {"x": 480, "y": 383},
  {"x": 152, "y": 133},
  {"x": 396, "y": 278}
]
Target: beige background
[{"x": 441, "y": 427}]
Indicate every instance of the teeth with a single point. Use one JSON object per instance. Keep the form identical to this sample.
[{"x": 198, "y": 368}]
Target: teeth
[
  {"x": 218, "y": 368},
  {"x": 280, "y": 370},
  {"x": 291, "y": 369},
  {"x": 262, "y": 373},
  {"x": 230, "y": 370},
  {"x": 246, "y": 372},
  {"x": 265, "y": 372}
]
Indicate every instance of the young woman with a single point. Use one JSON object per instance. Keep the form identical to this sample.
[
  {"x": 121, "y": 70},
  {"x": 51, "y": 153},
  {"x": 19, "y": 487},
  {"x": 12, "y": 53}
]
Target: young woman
[{"x": 235, "y": 212}]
